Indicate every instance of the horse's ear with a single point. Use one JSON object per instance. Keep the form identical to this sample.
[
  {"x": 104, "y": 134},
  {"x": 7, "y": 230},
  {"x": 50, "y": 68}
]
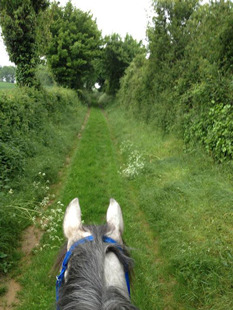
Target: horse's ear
[
  {"x": 72, "y": 223},
  {"x": 115, "y": 220}
]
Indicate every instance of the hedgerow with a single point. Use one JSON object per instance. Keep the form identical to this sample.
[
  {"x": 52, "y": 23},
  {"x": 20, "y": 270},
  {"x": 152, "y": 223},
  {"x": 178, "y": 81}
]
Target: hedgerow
[
  {"x": 38, "y": 129},
  {"x": 185, "y": 85},
  {"x": 28, "y": 124}
]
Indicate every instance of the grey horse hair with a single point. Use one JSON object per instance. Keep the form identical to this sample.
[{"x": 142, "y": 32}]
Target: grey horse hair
[{"x": 84, "y": 287}]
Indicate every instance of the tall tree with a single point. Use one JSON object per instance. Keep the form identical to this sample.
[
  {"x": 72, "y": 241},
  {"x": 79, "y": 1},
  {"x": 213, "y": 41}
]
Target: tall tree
[
  {"x": 18, "y": 19},
  {"x": 7, "y": 74},
  {"x": 117, "y": 54},
  {"x": 169, "y": 35},
  {"x": 74, "y": 46}
]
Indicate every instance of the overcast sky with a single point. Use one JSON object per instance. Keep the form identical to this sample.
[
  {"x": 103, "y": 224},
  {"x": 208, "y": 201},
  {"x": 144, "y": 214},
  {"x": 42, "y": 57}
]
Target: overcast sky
[{"x": 119, "y": 16}]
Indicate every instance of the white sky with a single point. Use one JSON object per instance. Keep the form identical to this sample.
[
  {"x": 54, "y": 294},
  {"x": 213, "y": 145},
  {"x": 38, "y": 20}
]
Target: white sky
[{"x": 113, "y": 16}]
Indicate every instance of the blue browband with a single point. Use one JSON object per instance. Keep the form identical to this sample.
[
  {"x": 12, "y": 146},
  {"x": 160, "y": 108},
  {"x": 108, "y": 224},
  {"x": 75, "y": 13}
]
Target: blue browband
[{"x": 69, "y": 253}]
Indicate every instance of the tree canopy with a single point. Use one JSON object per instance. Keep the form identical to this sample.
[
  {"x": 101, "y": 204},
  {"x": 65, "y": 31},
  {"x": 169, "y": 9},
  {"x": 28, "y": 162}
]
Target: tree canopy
[
  {"x": 74, "y": 46},
  {"x": 19, "y": 22},
  {"x": 116, "y": 56},
  {"x": 7, "y": 74},
  {"x": 186, "y": 84}
]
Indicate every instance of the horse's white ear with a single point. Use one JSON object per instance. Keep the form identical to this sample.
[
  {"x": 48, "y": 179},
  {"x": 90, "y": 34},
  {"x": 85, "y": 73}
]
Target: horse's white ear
[
  {"x": 72, "y": 223},
  {"x": 115, "y": 220}
]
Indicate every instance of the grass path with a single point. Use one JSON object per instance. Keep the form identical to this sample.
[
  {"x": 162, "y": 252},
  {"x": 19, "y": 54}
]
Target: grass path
[
  {"x": 95, "y": 180},
  {"x": 172, "y": 262},
  {"x": 93, "y": 177}
]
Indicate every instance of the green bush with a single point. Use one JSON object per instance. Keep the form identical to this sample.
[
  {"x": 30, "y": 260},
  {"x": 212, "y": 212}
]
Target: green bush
[
  {"x": 28, "y": 124},
  {"x": 38, "y": 129},
  {"x": 186, "y": 83},
  {"x": 214, "y": 129}
]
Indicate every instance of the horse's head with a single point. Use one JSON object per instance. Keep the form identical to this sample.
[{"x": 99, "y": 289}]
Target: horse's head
[
  {"x": 74, "y": 230},
  {"x": 95, "y": 271}
]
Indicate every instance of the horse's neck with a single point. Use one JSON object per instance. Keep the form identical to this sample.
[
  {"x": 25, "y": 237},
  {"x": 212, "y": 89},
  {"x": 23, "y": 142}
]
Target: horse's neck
[{"x": 114, "y": 273}]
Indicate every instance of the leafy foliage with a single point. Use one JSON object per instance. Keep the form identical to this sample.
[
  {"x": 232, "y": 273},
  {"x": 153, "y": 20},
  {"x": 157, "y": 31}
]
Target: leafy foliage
[
  {"x": 37, "y": 132},
  {"x": 73, "y": 47},
  {"x": 186, "y": 84},
  {"x": 19, "y": 22},
  {"x": 27, "y": 116},
  {"x": 117, "y": 54}
]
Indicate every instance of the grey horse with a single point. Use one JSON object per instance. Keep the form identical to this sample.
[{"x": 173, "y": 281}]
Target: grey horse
[{"x": 96, "y": 265}]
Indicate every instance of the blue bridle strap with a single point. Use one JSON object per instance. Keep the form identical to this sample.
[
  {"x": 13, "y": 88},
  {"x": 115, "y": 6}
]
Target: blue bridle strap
[
  {"x": 66, "y": 261},
  {"x": 106, "y": 239}
]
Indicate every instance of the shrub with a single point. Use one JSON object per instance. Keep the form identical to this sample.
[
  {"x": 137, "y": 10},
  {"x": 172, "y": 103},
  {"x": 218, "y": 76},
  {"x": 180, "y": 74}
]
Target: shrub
[
  {"x": 186, "y": 83},
  {"x": 28, "y": 123},
  {"x": 37, "y": 131}
]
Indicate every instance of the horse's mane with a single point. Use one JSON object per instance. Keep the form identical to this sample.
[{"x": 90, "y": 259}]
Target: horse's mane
[{"x": 84, "y": 288}]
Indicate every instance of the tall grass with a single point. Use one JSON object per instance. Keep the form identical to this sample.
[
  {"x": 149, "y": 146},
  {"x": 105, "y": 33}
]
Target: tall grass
[{"x": 187, "y": 200}]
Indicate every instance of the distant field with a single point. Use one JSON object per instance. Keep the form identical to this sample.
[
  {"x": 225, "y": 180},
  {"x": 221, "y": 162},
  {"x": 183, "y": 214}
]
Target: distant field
[{"x": 5, "y": 85}]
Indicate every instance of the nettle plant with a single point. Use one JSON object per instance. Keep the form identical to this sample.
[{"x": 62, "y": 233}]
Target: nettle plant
[{"x": 135, "y": 162}]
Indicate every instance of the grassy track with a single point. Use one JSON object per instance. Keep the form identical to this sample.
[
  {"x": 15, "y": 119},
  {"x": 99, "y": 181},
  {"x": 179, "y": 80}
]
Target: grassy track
[{"x": 177, "y": 213}]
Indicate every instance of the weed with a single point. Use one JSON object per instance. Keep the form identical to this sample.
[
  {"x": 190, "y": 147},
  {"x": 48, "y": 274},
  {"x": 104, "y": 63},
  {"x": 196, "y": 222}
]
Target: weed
[
  {"x": 50, "y": 222},
  {"x": 135, "y": 162}
]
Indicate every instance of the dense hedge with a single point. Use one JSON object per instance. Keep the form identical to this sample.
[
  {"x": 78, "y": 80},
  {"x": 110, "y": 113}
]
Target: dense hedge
[
  {"x": 38, "y": 130},
  {"x": 29, "y": 123},
  {"x": 186, "y": 83}
]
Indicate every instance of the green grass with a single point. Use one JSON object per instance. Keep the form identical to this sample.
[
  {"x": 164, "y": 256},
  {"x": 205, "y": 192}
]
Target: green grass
[
  {"x": 5, "y": 85},
  {"x": 177, "y": 213},
  {"x": 187, "y": 200},
  {"x": 93, "y": 177}
]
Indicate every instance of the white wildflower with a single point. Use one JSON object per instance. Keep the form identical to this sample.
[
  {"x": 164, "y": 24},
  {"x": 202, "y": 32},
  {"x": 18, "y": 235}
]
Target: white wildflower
[{"x": 135, "y": 162}]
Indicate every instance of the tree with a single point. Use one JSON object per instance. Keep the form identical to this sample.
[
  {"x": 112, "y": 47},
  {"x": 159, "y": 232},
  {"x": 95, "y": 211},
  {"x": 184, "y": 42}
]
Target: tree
[
  {"x": 116, "y": 57},
  {"x": 74, "y": 46},
  {"x": 7, "y": 74},
  {"x": 169, "y": 35},
  {"x": 19, "y": 22},
  {"x": 186, "y": 84}
]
